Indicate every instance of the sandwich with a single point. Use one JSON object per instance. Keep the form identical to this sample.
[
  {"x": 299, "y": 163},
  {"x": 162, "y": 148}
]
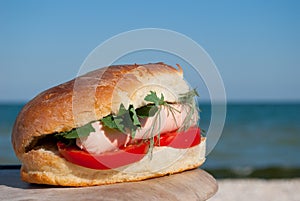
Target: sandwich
[{"x": 115, "y": 124}]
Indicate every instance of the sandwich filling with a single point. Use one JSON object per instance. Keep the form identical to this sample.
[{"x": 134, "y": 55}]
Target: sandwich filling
[
  {"x": 126, "y": 137},
  {"x": 104, "y": 139}
]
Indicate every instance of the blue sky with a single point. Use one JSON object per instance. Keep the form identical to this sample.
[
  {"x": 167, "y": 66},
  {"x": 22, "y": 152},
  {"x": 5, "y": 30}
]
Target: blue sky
[{"x": 255, "y": 44}]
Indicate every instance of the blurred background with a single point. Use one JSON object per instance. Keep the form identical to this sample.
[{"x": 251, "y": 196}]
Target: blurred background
[{"x": 254, "y": 44}]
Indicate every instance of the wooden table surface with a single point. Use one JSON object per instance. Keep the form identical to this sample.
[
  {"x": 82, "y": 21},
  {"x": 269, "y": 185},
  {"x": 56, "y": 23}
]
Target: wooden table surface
[{"x": 190, "y": 185}]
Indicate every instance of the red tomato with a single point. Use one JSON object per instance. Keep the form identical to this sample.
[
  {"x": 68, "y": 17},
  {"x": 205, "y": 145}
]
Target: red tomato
[
  {"x": 180, "y": 140},
  {"x": 126, "y": 155},
  {"x": 129, "y": 154}
]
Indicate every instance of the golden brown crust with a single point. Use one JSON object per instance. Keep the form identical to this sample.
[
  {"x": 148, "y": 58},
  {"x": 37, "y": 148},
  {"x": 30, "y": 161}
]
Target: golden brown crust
[
  {"x": 44, "y": 178},
  {"x": 91, "y": 97}
]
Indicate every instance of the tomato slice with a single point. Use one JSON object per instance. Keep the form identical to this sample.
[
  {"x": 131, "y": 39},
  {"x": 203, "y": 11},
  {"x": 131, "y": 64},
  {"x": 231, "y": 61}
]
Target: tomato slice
[
  {"x": 134, "y": 152},
  {"x": 110, "y": 160},
  {"x": 180, "y": 140}
]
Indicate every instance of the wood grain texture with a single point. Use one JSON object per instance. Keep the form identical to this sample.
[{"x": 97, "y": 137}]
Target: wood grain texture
[{"x": 190, "y": 185}]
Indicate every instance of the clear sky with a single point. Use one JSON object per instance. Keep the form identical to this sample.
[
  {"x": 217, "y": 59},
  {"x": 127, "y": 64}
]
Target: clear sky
[{"x": 255, "y": 44}]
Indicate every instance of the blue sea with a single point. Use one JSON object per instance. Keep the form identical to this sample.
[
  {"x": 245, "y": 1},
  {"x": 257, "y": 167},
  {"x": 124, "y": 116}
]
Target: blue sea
[{"x": 258, "y": 140}]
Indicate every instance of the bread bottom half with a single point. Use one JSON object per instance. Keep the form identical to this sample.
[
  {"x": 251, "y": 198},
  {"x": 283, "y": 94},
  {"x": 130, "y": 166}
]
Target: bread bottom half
[{"x": 43, "y": 166}]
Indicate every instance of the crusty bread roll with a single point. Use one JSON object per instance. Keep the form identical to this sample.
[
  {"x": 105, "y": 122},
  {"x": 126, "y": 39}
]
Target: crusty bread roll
[
  {"x": 88, "y": 98},
  {"x": 47, "y": 167}
]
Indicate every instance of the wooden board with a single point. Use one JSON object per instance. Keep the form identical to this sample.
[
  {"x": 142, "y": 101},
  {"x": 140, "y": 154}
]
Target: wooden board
[{"x": 190, "y": 185}]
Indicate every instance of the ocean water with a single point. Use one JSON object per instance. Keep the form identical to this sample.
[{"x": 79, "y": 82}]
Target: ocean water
[
  {"x": 258, "y": 139},
  {"x": 8, "y": 114}
]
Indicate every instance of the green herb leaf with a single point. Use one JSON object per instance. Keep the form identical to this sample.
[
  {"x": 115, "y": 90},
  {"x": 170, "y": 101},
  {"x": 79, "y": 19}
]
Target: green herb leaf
[
  {"x": 188, "y": 96},
  {"x": 152, "y": 97},
  {"x": 109, "y": 122},
  {"x": 78, "y": 132},
  {"x": 119, "y": 124},
  {"x": 134, "y": 116},
  {"x": 147, "y": 111},
  {"x": 187, "y": 99},
  {"x": 125, "y": 121},
  {"x": 122, "y": 110}
]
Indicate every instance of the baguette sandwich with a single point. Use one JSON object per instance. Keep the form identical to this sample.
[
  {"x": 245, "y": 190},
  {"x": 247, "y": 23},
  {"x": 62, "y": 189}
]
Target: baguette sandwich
[{"x": 115, "y": 124}]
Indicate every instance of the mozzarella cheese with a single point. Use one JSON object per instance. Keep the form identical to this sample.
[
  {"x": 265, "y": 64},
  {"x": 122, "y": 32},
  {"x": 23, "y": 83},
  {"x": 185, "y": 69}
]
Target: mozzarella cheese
[{"x": 105, "y": 139}]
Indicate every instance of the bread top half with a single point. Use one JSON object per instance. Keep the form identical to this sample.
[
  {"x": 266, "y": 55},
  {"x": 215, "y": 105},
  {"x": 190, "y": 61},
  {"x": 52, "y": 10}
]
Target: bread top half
[{"x": 93, "y": 96}]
